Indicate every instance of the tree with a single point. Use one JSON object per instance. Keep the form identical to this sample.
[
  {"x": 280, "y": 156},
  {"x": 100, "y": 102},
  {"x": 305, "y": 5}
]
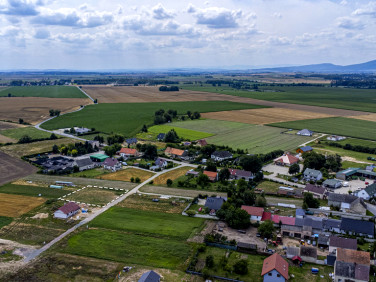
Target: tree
[
  {"x": 137, "y": 180},
  {"x": 52, "y": 112},
  {"x": 53, "y": 136},
  {"x": 9, "y": 94},
  {"x": 310, "y": 201},
  {"x": 260, "y": 201},
  {"x": 208, "y": 150},
  {"x": 159, "y": 112},
  {"x": 209, "y": 261},
  {"x": 111, "y": 150},
  {"x": 196, "y": 115},
  {"x": 203, "y": 180},
  {"x": 251, "y": 163},
  {"x": 20, "y": 121},
  {"x": 249, "y": 198},
  {"x": 150, "y": 151},
  {"x": 173, "y": 113},
  {"x": 55, "y": 149},
  {"x": 172, "y": 137},
  {"x": 144, "y": 128},
  {"x": 95, "y": 101},
  {"x": 99, "y": 138},
  {"x": 294, "y": 169},
  {"x": 333, "y": 162},
  {"x": 74, "y": 153},
  {"x": 241, "y": 267},
  {"x": 313, "y": 160},
  {"x": 189, "y": 113},
  {"x": 158, "y": 120},
  {"x": 266, "y": 229},
  {"x": 210, "y": 166},
  {"x": 25, "y": 139},
  {"x": 72, "y": 130},
  {"x": 167, "y": 117},
  {"x": 169, "y": 182},
  {"x": 223, "y": 174}
]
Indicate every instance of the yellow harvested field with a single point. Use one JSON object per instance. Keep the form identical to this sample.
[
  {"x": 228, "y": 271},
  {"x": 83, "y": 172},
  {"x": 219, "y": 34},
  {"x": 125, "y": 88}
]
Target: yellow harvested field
[
  {"x": 15, "y": 205},
  {"x": 264, "y": 116},
  {"x": 370, "y": 117},
  {"x": 127, "y": 174},
  {"x": 174, "y": 174}
]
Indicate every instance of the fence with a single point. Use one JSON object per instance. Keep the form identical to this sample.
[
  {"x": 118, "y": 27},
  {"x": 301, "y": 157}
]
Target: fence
[
  {"x": 213, "y": 276},
  {"x": 222, "y": 246}
]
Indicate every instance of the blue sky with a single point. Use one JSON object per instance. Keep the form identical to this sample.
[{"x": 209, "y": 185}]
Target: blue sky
[{"x": 91, "y": 35}]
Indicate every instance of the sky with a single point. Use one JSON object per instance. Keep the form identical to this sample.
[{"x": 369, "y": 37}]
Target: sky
[{"x": 141, "y": 34}]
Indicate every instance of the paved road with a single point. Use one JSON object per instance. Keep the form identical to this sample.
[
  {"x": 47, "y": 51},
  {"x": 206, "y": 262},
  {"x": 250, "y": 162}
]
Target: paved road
[
  {"x": 305, "y": 144},
  {"x": 36, "y": 253}
]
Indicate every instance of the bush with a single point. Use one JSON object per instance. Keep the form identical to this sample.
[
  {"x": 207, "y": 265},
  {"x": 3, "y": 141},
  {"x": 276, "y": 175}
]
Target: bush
[
  {"x": 209, "y": 261},
  {"x": 202, "y": 248},
  {"x": 132, "y": 179},
  {"x": 169, "y": 182},
  {"x": 241, "y": 267},
  {"x": 137, "y": 180},
  {"x": 191, "y": 213}
]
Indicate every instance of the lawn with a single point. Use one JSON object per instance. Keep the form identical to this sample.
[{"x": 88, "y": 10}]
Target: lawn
[
  {"x": 34, "y": 191},
  {"x": 156, "y": 224},
  {"x": 94, "y": 196},
  {"x": 173, "y": 175},
  {"x": 186, "y": 134},
  {"x": 269, "y": 186},
  {"x": 43, "y": 91},
  {"x": 129, "y": 248},
  {"x": 342, "y": 152},
  {"x": 4, "y": 220},
  {"x": 127, "y": 174},
  {"x": 90, "y": 173},
  {"x": 336, "y": 125},
  {"x": 340, "y": 98},
  {"x": 128, "y": 119},
  {"x": 17, "y": 133}
]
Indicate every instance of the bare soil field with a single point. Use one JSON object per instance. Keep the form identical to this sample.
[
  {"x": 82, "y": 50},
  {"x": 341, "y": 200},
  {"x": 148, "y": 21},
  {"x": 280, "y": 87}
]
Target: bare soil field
[
  {"x": 16, "y": 205},
  {"x": 178, "y": 192},
  {"x": 144, "y": 94},
  {"x": 12, "y": 168},
  {"x": 4, "y": 139},
  {"x": 369, "y": 117},
  {"x": 127, "y": 174},
  {"x": 174, "y": 174},
  {"x": 264, "y": 116},
  {"x": 9, "y": 125},
  {"x": 35, "y": 109}
]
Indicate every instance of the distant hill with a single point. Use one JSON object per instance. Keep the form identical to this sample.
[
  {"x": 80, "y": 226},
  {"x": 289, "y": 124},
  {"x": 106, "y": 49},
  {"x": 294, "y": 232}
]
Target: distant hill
[{"x": 369, "y": 67}]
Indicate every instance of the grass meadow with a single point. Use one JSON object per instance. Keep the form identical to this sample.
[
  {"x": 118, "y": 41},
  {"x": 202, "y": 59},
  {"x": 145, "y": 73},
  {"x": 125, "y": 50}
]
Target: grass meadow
[
  {"x": 17, "y": 133},
  {"x": 128, "y": 119},
  {"x": 43, "y": 91},
  {"x": 33, "y": 191},
  {"x": 187, "y": 134},
  {"x": 335, "y": 125},
  {"x": 4, "y": 220}
]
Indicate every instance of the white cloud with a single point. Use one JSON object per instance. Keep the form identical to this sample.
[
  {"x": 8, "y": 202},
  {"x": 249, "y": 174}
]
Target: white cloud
[
  {"x": 350, "y": 23},
  {"x": 367, "y": 10},
  {"x": 19, "y": 7},
  {"x": 160, "y": 13},
  {"x": 41, "y": 34},
  {"x": 215, "y": 17}
]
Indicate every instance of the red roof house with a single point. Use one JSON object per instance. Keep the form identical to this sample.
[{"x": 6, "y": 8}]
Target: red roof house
[
  {"x": 274, "y": 267},
  {"x": 286, "y": 160},
  {"x": 128, "y": 152},
  {"x": 254, "y": 212},
  {"x": 213, "y": 176},
  {"x": 266, "y": 216},
  {"x": 202, "y": 142},
  {"x": 67, "y": 210},
  {"x": 283, "y": 219}
]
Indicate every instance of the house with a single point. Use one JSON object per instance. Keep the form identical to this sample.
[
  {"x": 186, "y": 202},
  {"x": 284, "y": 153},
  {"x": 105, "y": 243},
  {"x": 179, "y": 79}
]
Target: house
[
  {"x": 299, "y": 213},
  {"x": 285, "y": 220},
  {"x": 347, "y": 173},
  {"x": 68, "y": 210},
  {"x": 335, "y": 138},
  {"x": 112, "y": 164},
  {"x": 213, "y": 176},
  {"x": 332, "y": 183},
  {"x": 318, "y": 192},
  {"x": 161, "y": 136},
  {"x": 351, "y": 265},
  {"x": 240, "y": 174},
  {"x": 286, "y": 160},
  {"x": 312, "y": 175},
  {"x": 275, "y": 269},
  {"x": 202, "y": 142},
  {"x": 305, "y": 132},
  {"x": 304, "y": 149},
  {"x": 254, "y": 212},
  {"x": 128, "y": 152},
  {"x": 150, "y": 276},
  {"x": 308, "y": 254},
  {"x": 161, "y": 163},
  {"x": 357, "y": 227},
  {"x": 81, "y": 130},
  {"x": 56, "y": 164},
  {"x": 220, "y": 156},
  {"x": 368, "y": 192},
  {"x": 175, "y": 153},
  {"x": 214, "y": 203},
  {"x": 323, "y": 241},
  {"x": 339, "y": 242},
  {"x": 347, "y": 203},
  {"x": 131, "y": 141},
  {"x": 266, "y": 216},
  {"x": 332, "y": 225},
  {"x": 84, "y": 164}
]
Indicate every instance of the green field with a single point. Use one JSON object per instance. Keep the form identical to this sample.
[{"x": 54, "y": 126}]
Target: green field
[
  {"x": 158, "y": 224},
  {"x": 17, "y": 133},
  {"x": 33, "y": 191},
  {"x": 43, "y": 91},
  {"x": 335, "y": 125},
  {"x": 355, "y": 142},
  {"x": 182, "y": 132},
  {"x": 254, "y": 138},
  {"x": 4, "y": 220},
  {"x": 341, "y": 98},
  {"x": 128, "y": 119}
]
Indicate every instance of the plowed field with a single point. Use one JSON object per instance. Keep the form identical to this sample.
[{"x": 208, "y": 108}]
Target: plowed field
[{"x": 12, "y": 168}]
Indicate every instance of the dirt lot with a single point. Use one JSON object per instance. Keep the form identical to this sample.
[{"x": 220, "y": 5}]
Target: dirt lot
[
  {"x": 4, "y": 139},
  {"x": 15, "y": 205},
  {"x": 177, "y": 191},
  {"x": 370, "y": 117},
  {"x": 12, "y": 168},
  {"x": 9, "y": 125},
  {"x": 264, "y": 116},
  {"x": 174, "y": 174},
  {"x": 35, "y": 109},
  {"x": 127, "y": 174}
]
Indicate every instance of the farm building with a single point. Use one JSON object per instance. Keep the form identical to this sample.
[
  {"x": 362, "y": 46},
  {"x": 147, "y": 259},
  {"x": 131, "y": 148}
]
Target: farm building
[
  {"x": 305, "y": 132},
  {"x": 312, "y": 175},
  {"x": 99, "y": 158},
  {"x": 299, "y": 213},
  {"x": 332, "y": 183},
  {"x": 255, "y": 213},
  {"x": 318, "y": 192},
  {"x": 275, "y": 269},
  {"x": 128, "y": 152},
  {"x": 112, "y": 164},
  {"x": 202, "y": 142},
  {"x": 351, "y": 265},
  {"x": 240, "y": 174},
  {"x": 347, "y": 173},
  {"x": 56, "y": 164},
  {"x": 357, "y": 227},
  {"x": 304, "y": 149},
  {"x": 150, "y": 276},
  {"x": 67, "y": 210},
  {"x": 213, "y": 176},
  {"x": 347, "y": 203},
  {"x": 161, "y": 136},
  {"x": 332, "y": 225},
  {"x": 308, "y": 254},
  {"x": 220, "y": 156},
  {"x": 286, "y": 160},
  {"x": 368, "y": 192},
  {"x": 339, "y": 242}
]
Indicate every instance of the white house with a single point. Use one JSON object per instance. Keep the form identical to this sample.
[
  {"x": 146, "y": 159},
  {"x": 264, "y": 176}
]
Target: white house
[
  {"x": 305, "y": 132},
  {"x": 368, "y": 192},
  {"x": 219, "y": 156},
  {"x": 112, "y": 164},
  {"x": 84, "y": 164},
  {"x": 67, "y": 210},
  {"x": 312, "y": 175},
  {"x": 255, "y": 213}
]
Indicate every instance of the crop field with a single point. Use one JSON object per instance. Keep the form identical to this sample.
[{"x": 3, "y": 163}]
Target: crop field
[
  {"x": 355, "y": 142},
  {"x": 16, "y": 205},
  {"x": 128, "y": 119},
  {"x": 17, "y": 133},
  {"x": 264, "y": 116},
  {"x": 370, "y": 117},
  {"x": 43, "y": 91},
  {"x": 34, "y": 109},
  {"x": 163, "y": 190},
  {"x": 127, "y": 174},
  {"x": 32, "y": 191},
  {"x": 9, "y": 125},
  {"x": 12, "y": 168},
  {"x": 182, "y": 132},
  {"x": 254, "y": 138},
  {"x": 94, "y": 196},
  {"x": 4, "y": 139},
  {"x": 173, "y": 175},
  {"x": 340, "y": 98},
  {"x": 337, "y": 125}
]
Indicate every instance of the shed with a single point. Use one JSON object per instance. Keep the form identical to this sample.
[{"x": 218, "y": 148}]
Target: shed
[
  {"x": 99, "y": 157},
  {"x": 347, "y": 173}
]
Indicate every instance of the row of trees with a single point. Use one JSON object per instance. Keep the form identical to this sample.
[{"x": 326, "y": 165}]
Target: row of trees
[
  {"x": 355, "y": 148},
  {"x": 27, "y": 139},
  {"x": 76, "y": 149},
  {"x": 168, "y": 88},
  {"x": 54, "y": 112}
]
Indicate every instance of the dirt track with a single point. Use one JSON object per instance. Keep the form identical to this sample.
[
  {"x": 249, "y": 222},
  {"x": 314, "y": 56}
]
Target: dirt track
[{"x": 12, "y": 168}]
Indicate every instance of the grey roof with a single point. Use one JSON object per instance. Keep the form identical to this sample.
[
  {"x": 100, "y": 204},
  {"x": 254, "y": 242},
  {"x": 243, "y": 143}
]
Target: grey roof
[
  {"x": 292, "y": 251},
  {"x": 222, "y": 154},
  {"x": 131, "y": 140},
  {"x": 358, "y": 226},
  {"x": 291, "y": 228},
  {"x": 299, "y": 212},
  {"x": 161, "y": 136},
  {"x": 345, "y": 243},
  {"x": 323, "y": 240},
  {"x": 315, "y": 189},
  {"x": 352, "y": 270},
  {"x": 313, "y": 222},
  {"x": 331, "y": 223},
  {"x": 305, "y": 131},
  {"x": 331, "y": 259},
  {"x": 306, "y": 148},
  {"x": 214, "y": 203},
  {"x": 343, "y": 198},
  {"x": 150, "y": 276},
  {"x": 84, "y": 162},
  {"x": 247, "y": 246},
  {"x": 299, "y": 221},
  {"x": 371, "y": 189},
  {"x": 111, "y": 162},
  {"x": 331, "y": 182},
  {"x": 312, "y": 172}
]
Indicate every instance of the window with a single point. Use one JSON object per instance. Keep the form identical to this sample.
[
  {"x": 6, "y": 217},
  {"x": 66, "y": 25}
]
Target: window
[
  {"x": 278, "y": 275},
  {"x": 270, "y": 274}
]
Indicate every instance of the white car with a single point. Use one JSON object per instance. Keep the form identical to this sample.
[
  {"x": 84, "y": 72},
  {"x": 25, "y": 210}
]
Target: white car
[{"x": 345, "y": 184}]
